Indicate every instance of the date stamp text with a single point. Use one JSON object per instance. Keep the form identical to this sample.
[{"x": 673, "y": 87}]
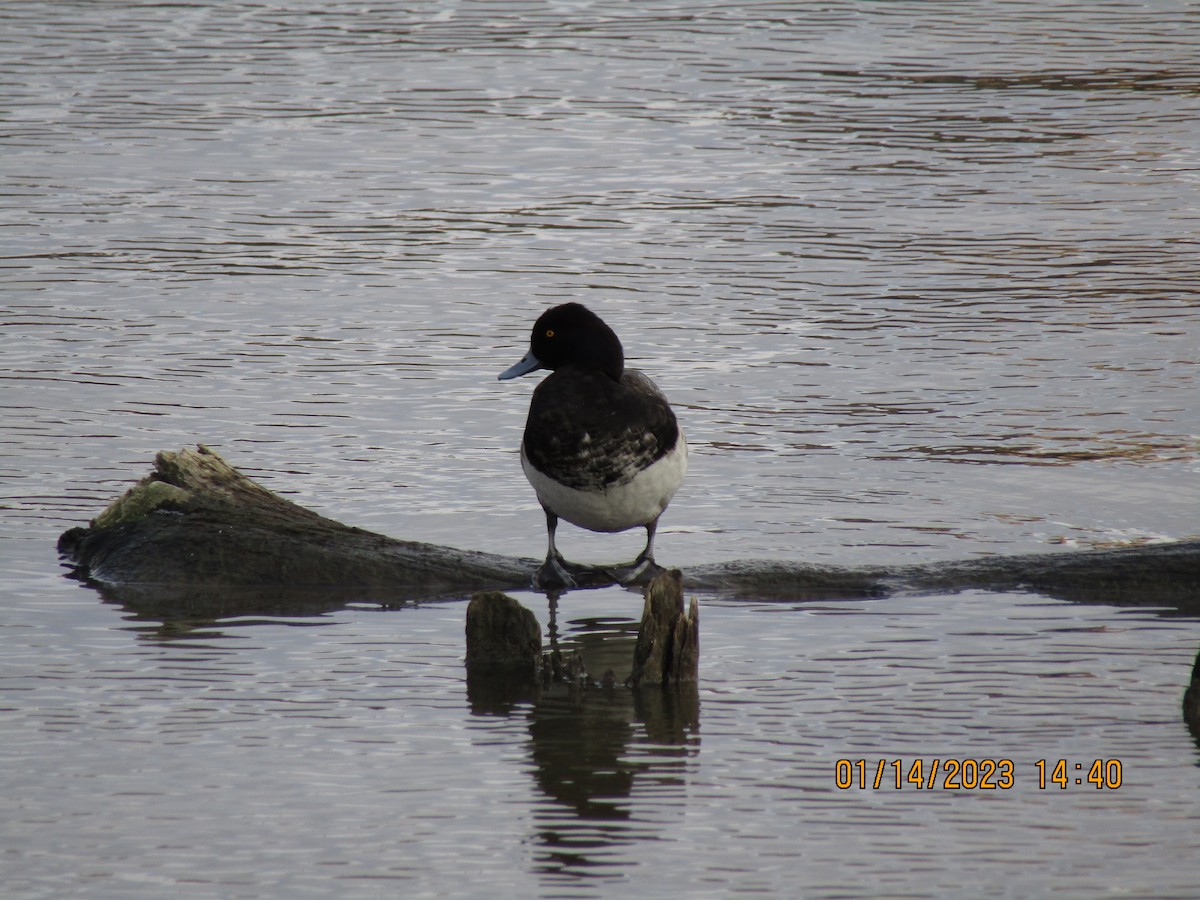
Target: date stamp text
[{"x": 961, "y": 774}]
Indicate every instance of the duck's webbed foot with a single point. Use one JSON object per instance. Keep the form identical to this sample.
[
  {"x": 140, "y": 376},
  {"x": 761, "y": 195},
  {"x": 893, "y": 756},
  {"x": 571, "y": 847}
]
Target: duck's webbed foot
[
  {"x": 641, "y": 571},
  {"x": 553, "y": 574},
  {"x": 644, "y": 568}
]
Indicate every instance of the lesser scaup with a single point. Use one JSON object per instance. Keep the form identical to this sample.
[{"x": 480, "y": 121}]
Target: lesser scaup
[{"x": 602, "y": 448}]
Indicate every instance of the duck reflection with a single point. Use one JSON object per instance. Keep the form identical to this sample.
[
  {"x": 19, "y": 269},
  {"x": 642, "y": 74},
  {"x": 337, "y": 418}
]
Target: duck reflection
[
  {"x": 593, "y": 743},
  {"x": 579, "y": 740}
]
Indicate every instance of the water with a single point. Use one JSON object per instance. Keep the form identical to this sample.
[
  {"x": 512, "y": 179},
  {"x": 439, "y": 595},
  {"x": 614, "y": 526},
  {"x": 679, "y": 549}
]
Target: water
[{"x": 921, "y": 283}]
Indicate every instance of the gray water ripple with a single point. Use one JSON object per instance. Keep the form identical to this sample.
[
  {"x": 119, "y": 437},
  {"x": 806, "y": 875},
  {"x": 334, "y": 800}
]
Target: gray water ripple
[{"x": 919, "y": 280}]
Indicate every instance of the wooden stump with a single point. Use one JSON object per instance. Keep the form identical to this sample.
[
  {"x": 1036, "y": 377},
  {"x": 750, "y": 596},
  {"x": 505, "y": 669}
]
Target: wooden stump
[
  {"x": 502, "y": 636},
  {"x": 668, "y": 644}
]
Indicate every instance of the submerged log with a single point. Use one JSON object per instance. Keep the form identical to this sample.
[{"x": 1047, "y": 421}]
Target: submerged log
[
  {"x": 668, "y": 644},
  {"x": 1163, "y": 574},
  {"x": 196, "y": 523}
]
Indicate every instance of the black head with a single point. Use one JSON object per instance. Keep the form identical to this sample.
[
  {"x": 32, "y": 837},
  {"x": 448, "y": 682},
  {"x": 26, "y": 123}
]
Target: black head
[{"x": 572, "y": 335}]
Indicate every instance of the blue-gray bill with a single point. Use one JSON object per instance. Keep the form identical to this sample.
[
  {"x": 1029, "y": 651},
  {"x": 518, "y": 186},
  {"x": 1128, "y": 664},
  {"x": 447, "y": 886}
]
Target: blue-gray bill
[{"x": 528, "y": 363}]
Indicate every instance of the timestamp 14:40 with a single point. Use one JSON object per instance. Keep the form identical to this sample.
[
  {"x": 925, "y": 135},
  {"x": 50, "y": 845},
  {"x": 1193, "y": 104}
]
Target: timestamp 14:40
[
  {"x": 1101, "y": 773},
  {"x": 972, "y": 774}
]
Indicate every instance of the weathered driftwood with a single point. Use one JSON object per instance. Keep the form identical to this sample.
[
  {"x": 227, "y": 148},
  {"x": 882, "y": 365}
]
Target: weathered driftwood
[
  {"x": 668, "y": 644},
  {"x": 196, "y": 523},
  {"x": 196, "y": 541}
]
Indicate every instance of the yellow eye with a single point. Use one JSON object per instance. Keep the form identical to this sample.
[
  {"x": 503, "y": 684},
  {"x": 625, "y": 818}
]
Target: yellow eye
[{"x": 549, "y": 332}]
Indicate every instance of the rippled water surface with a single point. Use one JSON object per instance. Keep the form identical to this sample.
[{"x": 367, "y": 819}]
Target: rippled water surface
[{"x": 920, "y": 280}]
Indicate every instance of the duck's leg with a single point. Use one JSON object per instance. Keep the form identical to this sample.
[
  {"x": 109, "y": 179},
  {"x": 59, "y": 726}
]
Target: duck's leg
[
  {"x": 644, "y": 566},
  {"x": 647, "y": 554},
  {"x": 553, "y": 572}
]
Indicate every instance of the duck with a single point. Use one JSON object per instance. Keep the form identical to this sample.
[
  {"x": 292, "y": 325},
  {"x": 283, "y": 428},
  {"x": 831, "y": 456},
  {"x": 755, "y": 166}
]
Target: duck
[{"x": 602, "y": 447}]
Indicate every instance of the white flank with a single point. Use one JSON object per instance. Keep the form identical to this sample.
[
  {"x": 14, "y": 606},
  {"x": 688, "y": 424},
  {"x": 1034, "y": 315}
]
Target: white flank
[{"x": 637, "y": 502}]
